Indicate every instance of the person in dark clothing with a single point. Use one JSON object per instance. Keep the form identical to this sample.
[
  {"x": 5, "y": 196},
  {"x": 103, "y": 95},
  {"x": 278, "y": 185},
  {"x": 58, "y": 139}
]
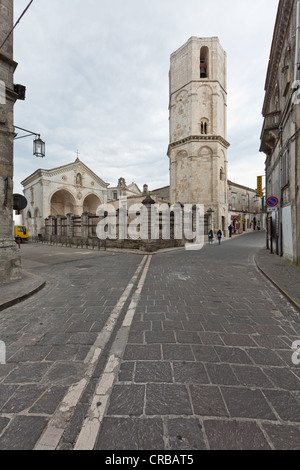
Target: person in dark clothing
[
  {"x": 211, "y": 237},
  {"x": 230, "y": 228},
  {"x": 219, "y": 234}
]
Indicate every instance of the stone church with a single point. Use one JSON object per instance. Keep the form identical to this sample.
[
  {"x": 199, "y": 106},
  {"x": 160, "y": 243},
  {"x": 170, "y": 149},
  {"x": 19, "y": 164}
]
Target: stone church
[
  {"x": 197, "y": 152},
  {"x": 71, "y": 188}
]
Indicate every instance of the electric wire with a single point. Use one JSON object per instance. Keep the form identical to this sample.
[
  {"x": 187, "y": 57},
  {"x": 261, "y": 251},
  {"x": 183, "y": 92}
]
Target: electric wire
[{"x": 16, "y": 24}]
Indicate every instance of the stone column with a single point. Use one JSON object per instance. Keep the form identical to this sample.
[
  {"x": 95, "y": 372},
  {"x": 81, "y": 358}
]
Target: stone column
[
  {"x": 210, "y": 215},
  {"x": 149, "y": 245},
  {"x": 59, "y": 224},
  {"x": 85, "y": 224},
  {"x": 52, "y": 225},
  {"x": 70, "y": 225},
  {"x": 10, "y": 259}
]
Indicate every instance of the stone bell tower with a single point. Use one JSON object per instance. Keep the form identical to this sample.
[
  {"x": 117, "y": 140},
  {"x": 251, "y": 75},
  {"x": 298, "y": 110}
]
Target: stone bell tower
[{"x": 198, "y": 115}]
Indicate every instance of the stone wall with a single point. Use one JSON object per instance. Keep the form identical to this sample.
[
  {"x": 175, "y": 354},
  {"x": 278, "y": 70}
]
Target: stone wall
[
  {"x": 72, "y": 229},
  {"x": 10, "y": 262}
]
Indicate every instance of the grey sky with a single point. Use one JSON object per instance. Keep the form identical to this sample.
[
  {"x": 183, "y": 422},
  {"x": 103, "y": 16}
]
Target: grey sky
[{"x": 96, "y": 73}]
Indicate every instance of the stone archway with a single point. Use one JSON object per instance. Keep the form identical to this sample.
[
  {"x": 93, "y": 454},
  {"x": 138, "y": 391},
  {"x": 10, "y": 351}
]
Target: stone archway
[
  {"x": 91, "y": 203},
  {"x": 62, "y": 203}
]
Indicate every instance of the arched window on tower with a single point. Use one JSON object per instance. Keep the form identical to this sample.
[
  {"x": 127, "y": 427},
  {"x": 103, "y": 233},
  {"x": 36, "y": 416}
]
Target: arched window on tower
[
  {"x": 204, "y": 56},
  {"x": 204, "y": 127}
]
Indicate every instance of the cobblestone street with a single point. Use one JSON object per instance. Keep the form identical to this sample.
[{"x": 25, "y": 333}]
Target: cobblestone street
[{"x": 181, "y": 350}]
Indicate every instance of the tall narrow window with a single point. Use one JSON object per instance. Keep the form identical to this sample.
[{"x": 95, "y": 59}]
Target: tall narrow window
[
  {"x": 287, "y": 70},
  {"x": 285, "y": 169},
  {"x": 204, "y": 56},
  {"x": 243, "y": 203},
  {"x": 233, "y": 201},
  {"x": 204, "y": 127}
]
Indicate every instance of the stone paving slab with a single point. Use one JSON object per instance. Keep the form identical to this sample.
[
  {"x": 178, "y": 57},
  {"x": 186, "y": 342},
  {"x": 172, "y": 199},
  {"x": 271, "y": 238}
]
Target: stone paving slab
[
  {"x": 220, "y": 373},
  {"x": 50, "y": 345},
  {"x": 207, "y": 363},
  {"x": 282, "y": 273}
]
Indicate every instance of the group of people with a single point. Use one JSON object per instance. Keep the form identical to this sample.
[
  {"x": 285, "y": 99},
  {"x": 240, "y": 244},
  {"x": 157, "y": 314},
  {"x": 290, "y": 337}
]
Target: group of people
[
  {"x": 211, "y": 236},
  {"x": 219, "y": 235}
]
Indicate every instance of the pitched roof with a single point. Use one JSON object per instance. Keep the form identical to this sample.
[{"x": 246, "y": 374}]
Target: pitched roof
[{"x": 61, "y": 169}]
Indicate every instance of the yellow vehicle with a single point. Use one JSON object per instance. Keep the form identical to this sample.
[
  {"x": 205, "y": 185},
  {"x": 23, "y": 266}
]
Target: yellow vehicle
[{"x": 21, "y": 232}]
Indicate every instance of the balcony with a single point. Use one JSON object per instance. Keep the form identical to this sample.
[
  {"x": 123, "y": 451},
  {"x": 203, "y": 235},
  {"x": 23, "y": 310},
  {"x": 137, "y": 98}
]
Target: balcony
[{"x": 270, "y": 131}]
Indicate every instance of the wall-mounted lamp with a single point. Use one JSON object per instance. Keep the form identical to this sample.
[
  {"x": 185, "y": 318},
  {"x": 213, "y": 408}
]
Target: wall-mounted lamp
[{"x": 38, "y": 143}]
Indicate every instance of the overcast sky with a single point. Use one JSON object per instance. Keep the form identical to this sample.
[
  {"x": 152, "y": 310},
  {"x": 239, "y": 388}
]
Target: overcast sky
[{"x": 96, "y": 74}]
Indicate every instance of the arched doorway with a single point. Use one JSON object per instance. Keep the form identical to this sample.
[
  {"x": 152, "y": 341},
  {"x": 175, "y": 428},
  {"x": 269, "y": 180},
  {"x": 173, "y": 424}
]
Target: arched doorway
[
  {"x": 62, "y": 203},
  {"x": 91, "y": 204}
]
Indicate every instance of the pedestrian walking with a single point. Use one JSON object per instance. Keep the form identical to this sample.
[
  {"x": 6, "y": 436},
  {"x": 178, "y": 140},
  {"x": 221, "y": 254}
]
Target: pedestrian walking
[
  {"x": 211, "y": 237},
  {"x": 230, "y": 228},
  {"x": 219, "y": 234}
]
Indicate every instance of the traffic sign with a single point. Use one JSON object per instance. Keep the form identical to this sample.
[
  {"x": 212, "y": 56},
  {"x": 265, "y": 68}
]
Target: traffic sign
[
  {"x": 19, "y": 202},
  {"x": 272, "y": 201}
]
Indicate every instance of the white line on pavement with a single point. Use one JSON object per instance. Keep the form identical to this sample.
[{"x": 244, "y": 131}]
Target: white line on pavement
[
  {"x": 91, "y": 426},
  {"x": 59, "y": 421}
]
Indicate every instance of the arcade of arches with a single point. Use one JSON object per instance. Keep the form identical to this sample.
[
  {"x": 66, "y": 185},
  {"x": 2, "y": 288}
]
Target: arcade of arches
[{"x": 63, "y": 203}]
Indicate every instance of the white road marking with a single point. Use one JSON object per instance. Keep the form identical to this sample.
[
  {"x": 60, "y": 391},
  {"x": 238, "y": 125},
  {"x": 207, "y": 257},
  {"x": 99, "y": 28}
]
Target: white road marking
[
  {"x": 52, "y": 435},
  {"x": 91, "y": 426}
]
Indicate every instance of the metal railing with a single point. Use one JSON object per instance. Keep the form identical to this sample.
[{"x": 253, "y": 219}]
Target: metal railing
[{"x": 76, "y": 242}]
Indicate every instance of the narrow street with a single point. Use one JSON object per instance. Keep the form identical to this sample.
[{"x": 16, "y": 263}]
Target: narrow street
[{"x": 182, "y": 350}]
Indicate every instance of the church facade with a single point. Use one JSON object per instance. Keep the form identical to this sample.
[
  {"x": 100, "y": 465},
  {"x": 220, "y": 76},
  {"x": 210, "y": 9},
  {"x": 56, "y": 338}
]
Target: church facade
[{"x": 68, "y": 189}]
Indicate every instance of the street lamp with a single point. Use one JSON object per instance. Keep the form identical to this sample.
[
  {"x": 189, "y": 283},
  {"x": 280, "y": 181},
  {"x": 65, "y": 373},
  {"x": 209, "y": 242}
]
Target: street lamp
[
  {"x": 38, "y": 143},
  {"x": 39, "y": 147}
]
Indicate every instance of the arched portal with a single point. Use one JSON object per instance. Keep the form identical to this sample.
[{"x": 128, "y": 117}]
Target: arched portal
[
  {"x": 62, "y": 203},
  {"x": 91, "y": 203}
]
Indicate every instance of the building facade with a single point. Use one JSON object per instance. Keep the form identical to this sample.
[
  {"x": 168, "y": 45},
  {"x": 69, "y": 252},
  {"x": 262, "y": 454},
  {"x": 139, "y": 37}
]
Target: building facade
[
  {"x": 198, "y": 121},
  {"x": 68, "y": 189},
  {"x": 10, "y": 262},
  {"x": 244, "y": 209},
  {"x": 280, "y": 137}
]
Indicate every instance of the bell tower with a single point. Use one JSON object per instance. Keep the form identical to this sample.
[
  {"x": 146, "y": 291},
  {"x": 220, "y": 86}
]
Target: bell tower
[{"x": 198, "y": 121}]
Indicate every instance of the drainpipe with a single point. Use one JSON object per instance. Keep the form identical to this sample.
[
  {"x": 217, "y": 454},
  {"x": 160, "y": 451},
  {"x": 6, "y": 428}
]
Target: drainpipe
[
  {"x": 295, "y": 78},
  {"x": 279, "y": 235}
]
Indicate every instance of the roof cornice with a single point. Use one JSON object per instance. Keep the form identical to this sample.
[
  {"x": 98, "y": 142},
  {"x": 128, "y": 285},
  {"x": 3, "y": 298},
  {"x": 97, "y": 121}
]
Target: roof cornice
[
  {"x": 62, "y": 169},
  {"x": 199, "y": 138}
]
